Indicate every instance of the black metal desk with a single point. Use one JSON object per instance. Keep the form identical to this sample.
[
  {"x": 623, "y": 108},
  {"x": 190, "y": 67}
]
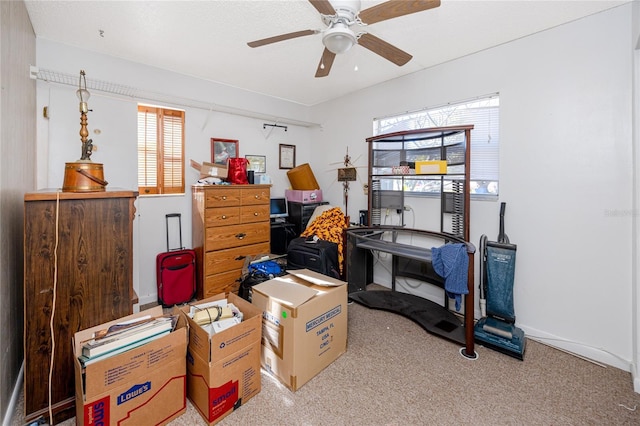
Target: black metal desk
[{"x": 411, "y": 261}]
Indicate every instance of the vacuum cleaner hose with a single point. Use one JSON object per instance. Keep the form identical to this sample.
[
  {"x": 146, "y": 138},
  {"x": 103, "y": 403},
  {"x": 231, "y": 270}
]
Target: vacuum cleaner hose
[{"x": 483, "y": 282}]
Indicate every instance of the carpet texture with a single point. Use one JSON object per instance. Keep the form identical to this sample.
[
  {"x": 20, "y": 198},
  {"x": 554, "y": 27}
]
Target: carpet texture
[{"x": 394, "y": 373}]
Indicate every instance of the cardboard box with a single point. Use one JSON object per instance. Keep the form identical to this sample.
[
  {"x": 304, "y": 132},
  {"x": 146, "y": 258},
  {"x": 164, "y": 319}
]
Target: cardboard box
[
  {"x": 217, "y": 389},
  {"x": 210, "y": 170},
  {"x": 303, "y": 196},
  {"x": 438, "y": 167},
  {"x": 144, "y": 385},
  {"x": 304, "y": 324},
  {"x": 223, "y": 370}
]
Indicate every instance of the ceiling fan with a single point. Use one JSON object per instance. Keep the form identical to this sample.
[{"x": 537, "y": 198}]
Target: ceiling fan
[{"x": 341, "y": 17}]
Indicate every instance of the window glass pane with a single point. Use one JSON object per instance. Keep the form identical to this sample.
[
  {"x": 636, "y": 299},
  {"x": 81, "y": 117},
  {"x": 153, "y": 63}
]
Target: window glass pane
[
  {"x": 482, "y": 113},
  {"x": 147, "y": 149}
]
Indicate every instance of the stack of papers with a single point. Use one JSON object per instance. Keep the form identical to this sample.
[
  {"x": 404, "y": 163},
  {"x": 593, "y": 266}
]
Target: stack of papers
[{"x": 125, "y": 336}]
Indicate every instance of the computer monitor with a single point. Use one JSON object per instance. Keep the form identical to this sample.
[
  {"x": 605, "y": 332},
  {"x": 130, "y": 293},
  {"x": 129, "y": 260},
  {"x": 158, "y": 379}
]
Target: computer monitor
[{"x": 278, "y": 209}]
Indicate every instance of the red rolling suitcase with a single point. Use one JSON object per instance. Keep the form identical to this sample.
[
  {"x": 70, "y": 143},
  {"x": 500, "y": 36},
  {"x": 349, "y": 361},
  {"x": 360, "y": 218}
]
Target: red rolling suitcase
[{"x": 176, "y": 271}]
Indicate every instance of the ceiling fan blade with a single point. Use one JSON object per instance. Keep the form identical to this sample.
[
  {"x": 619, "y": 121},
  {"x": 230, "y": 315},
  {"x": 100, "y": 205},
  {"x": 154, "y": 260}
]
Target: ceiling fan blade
[
  {"x": 325, "y": 63},
  {"x": 323, "y": 6},
  {"x": 395, "y": 8},
  {"x": 384, "y": 49},
  {"x": 281, "y": 37}
]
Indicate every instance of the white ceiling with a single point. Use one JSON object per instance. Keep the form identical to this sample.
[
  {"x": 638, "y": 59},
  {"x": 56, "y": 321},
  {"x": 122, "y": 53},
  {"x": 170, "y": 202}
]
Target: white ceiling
[{"x": 208, "y": 39}]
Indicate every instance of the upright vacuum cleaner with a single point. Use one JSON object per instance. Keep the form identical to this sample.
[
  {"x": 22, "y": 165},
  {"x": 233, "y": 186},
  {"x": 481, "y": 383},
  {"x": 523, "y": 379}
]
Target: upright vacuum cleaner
[{"x": 496, "y": 329}]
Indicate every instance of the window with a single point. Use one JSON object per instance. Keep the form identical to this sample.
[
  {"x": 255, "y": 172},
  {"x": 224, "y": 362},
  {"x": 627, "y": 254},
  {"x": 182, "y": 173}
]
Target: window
[
  {"x": 483, "y": 113},
  {"x": 160, "y": 150}
]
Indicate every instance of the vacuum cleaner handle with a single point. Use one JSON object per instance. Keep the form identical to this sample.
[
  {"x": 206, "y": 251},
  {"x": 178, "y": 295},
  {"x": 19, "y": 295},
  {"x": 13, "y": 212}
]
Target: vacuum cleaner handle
[{"x": 502, "y": 237}]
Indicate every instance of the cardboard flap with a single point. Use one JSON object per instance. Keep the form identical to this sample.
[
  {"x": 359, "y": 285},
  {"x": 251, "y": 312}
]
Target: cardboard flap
[
  {"x": 286, "y": 291},
  {"x": 316, "y": 278}
]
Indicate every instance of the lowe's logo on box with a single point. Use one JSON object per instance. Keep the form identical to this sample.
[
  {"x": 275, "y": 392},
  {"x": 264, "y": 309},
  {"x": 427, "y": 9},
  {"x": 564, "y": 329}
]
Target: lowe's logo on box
[
  {"x": 133, "y": 392},
  {"x": 331, "y": 313}
]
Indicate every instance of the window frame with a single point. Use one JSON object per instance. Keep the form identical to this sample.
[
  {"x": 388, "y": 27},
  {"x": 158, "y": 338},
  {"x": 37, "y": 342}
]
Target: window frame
[
  {"x": 165, "y": 120},
  {"x": 424, "y": 118}
]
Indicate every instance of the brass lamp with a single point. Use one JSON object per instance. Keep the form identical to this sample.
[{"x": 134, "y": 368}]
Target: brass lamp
[
  {"x": 84, "y": 95},
  {"x": 84, "y": 175}
]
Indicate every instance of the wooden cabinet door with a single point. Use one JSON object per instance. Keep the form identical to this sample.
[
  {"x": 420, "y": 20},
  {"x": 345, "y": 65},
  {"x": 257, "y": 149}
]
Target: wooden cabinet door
[{"x": 82, "y": 253}]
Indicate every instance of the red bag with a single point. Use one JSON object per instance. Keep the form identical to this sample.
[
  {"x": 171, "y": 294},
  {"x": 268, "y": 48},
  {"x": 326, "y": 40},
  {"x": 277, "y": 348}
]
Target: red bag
[{"x": 237, "y": 171}]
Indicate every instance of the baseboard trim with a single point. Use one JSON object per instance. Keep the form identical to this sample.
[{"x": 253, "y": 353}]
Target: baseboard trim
[
  {"x": 636, "y": 378},
  {"x": 13, "y": 402},
  {"x": 145, "y": 300},
  {"x": 589, "y": 353}
]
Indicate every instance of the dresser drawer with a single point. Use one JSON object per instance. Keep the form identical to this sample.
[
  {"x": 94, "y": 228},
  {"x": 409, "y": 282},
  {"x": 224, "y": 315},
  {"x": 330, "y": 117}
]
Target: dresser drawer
[
  {"x": 229, "y": 259},
  {"x": 217, "y": 238},
  {"x": 226, "y": 282},
  {"x": 222, "y": 197},
  {"x": 255, "y": 213},
  {"x": 222, "y": 216},
  {"x": 255, "y": 195}
]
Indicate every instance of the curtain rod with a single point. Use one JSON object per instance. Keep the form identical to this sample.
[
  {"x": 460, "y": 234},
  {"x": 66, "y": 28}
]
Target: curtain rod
[
  {"x": 50, "y": 76},
  {"x": 265, "y": 125}
]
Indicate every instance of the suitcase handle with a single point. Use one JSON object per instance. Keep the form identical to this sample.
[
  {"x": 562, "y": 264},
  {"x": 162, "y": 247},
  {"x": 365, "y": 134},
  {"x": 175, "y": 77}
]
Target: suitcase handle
[{"x": 167, "y": 217}]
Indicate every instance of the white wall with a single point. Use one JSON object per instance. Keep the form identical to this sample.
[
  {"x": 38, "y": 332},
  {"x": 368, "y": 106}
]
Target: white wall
[
  {"x": 636, "y": 207},
  {"x": 116, "y": 119},
  {"x": 565, "y": 171},
  {"x": 566, "y": 162}
]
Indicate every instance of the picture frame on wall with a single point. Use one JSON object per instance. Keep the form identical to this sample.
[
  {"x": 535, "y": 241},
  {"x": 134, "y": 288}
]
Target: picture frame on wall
[
  {"x": 287, "y": 156},
  {"x": 223, "y": 149},
  {"x": 257, "y": 163}
]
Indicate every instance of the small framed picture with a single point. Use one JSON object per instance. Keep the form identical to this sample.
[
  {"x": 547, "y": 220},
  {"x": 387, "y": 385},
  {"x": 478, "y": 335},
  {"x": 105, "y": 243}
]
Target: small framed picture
[
  {"x": 287, "y": 156},
  {"x": 257, "y": 163},
  {"x": 223, "y": 149}
]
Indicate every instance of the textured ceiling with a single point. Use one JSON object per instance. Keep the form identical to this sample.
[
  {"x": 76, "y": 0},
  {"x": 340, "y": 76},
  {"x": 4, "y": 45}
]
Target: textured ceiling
[{"x": 208, "y": 39}]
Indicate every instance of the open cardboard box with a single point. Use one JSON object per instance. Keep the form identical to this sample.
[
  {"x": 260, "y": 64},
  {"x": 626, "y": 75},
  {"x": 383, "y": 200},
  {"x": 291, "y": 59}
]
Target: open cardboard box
[
  {"x": 144, "y": 385},
  {"x": 210, "y": 169},
  {"x": 304, "y": 324},
  {"x": 223, "y": 370}
]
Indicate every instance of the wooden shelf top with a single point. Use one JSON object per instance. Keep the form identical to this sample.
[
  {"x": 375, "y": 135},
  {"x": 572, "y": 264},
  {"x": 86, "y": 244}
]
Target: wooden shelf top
[{"x": 52, "y": 194}]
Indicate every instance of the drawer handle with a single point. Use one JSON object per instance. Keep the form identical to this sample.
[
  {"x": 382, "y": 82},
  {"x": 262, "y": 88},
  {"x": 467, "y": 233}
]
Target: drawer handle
[
  {"x": 240, "y": 257},
  {"x": 224, "y": 216},
  {"x": 224, "y": 197},
  {"x": 257, "y": 196},
  {"x": 241, "y": 235},
  {"x": 255, "y": 213}
]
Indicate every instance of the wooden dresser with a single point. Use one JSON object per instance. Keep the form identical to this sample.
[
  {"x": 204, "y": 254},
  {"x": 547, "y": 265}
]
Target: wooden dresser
[
  {"x": 92, "y": 273},
  {"x": 230, "y": 222}
]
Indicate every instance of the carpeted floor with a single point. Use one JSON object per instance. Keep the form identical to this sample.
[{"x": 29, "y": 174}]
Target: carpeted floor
[{"x": 394, "y": 373}]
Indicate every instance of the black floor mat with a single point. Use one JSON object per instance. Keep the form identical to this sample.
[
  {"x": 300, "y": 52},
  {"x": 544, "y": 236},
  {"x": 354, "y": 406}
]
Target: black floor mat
[{"x": 429, "y": 315}]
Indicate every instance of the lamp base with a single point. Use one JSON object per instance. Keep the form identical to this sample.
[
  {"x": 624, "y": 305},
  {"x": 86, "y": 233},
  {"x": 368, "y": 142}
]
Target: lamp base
[{"x": 83, "y": 176}]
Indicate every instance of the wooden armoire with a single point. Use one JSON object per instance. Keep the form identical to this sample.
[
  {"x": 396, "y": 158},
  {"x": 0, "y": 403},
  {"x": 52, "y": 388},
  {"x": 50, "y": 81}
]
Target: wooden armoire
[{"x": 78, "y": 267}]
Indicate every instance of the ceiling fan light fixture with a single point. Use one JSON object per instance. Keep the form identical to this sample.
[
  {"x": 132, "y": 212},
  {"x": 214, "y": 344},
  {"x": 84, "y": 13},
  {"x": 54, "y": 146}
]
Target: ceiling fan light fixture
[{"x": 339, "y": 38}]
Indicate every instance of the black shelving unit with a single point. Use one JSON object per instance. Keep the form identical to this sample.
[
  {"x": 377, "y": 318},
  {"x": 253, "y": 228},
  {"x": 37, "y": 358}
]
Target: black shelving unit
[
  {"x": 300, "y": 213},
  {"x": 393, "y": 160}
]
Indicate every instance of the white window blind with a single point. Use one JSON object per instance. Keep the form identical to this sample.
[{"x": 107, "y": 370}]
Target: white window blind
[
  {"x": 483, "y": 113},
  {"x": 160, "y": 150}
]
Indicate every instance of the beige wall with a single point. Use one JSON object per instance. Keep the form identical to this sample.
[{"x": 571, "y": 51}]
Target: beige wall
[{"x": 17, "y": 176}]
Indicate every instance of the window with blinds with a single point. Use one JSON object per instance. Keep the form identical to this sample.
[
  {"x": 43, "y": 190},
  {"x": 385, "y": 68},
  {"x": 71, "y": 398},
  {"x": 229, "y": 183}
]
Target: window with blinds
[
  {"x": 483, "y": 113},
  {"x": 160, "y": 150}
]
